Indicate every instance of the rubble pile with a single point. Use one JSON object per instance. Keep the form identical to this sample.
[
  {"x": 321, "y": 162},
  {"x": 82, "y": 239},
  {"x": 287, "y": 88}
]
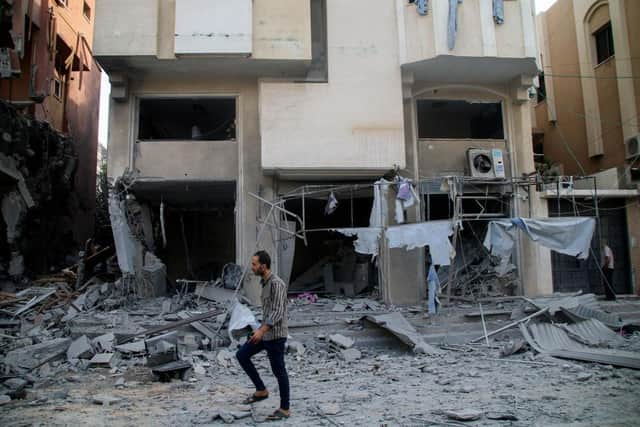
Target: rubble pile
[{"x": 37, "y": 166}]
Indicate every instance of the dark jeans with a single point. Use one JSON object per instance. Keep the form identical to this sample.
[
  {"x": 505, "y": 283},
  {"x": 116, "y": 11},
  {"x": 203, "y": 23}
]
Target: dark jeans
[
  {"x": 608, "y": 285},
  {"x": 275, "y": 350}
]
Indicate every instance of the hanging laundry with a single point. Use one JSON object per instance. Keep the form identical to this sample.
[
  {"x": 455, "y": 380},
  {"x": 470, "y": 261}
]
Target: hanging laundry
[
  {"x": 567, "y": 235},
  {"x": 452, "y": 25},
  {"x": 332, "y": 204},
  {"x": 422, "y": 6},
  {"x": 498, "y": 11},
  {"x": 367, "y": 241},
  {"x": 405, "y": 198},
  {"x": 379, "y": 210},
  {"x": 434, "y": 234}
]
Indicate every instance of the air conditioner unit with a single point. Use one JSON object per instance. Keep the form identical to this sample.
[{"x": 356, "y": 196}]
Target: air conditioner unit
[
  {"x": 632, "y": 147},
  {"x": 485, "y": 163}
]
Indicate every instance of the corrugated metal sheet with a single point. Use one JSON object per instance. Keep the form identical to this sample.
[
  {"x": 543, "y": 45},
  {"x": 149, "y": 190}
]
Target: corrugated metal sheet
[
  {"x": 555, "y": 304},
  {"x": 594, "y": 333},
  {"x": 581, "y": 312},
  {"x": 555, "y": 341}
]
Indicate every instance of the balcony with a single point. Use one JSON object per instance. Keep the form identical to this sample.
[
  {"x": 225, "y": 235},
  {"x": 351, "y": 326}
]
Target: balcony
[
  {"x": 482, "y": 51},
  {"x": 252, "y": 36}
]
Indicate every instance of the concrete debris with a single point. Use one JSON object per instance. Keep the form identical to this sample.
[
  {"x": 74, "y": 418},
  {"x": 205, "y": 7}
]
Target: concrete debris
[
  {"x": 329, "y": 408},
  {"x": 225, "y": 358},
  {"x": 4, "y": 399},
  {"x": 105, "y": 399},
  {"x": 104, "y": 360},
  {"x": 132, "y": 347},
  {"x": 399, "y": 326},
  {"x": 341, "y": 341},
  {"x": 104, "y": 343},
  {"x": 80, "y": 349},
  {"x": 350, "y": 355},
  {"x": 33, "y": 356},
  {"x": 295, "y": 347},
  {"x": 464, "y": 414}
]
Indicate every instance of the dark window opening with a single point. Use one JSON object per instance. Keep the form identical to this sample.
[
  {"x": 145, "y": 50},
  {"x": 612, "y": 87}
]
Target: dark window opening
[
  {"x": 86, "y": 11},
  {"x": 209, "y": 119},
  {"x": 459, "y": 119},
  {"x": 604, "y": 43},
  {"x": 542, "y": 90}
]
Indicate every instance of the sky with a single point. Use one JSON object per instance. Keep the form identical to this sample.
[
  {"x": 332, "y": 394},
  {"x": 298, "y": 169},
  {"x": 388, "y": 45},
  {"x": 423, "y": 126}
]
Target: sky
[{"x": 105, "y": 87}]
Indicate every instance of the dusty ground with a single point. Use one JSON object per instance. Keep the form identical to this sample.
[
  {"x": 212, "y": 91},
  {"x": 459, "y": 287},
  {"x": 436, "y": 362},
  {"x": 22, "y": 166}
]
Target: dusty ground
[{"x": 388, "y": 386}]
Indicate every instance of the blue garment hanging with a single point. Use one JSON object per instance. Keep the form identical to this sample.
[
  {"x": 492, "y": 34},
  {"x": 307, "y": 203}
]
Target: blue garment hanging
[
  {"x": 498, "y": 11},
  {"x": 452, "y": 26},
  {"x": 422, "y": 7}
]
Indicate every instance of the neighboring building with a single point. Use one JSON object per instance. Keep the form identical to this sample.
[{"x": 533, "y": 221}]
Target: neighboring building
[
  {"x": 586, "y": 122},
  {"x": 214, "y": 99},
  {"x": 48, "y": 70}
]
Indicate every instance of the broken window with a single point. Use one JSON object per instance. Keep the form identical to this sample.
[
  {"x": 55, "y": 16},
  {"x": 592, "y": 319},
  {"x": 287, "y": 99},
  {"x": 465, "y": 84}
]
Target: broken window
[
  {"x": 209, "y": 119},
  {"x": 459, "y": 119}
]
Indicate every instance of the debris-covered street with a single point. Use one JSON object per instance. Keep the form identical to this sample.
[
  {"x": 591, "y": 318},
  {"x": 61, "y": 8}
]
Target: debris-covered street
[{"x": 344, "y": 370}]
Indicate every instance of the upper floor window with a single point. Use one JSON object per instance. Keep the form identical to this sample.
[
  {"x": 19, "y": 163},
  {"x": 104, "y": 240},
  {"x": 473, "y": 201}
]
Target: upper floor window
[
  {"x": 211, "y": 119},
  {"x": 456, "y": 119},
  {"x": 64, "y": 3},
  {"x": 604, "y": 43},
  {"x": 86, "y": 10}
]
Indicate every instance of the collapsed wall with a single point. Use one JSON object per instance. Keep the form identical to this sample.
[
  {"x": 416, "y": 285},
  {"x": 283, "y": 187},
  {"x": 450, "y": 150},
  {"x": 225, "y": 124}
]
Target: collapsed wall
[{"x": 37, "y": 167}]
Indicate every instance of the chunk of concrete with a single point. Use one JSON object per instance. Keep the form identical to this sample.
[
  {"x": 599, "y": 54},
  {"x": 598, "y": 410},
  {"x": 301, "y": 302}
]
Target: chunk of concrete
[
  {"x": 295, "y": 347},
  {"x": 464, "y": 415},
  {"x": 131, "y": 347},
  {"x": 80, "y": 349},
  {"x": 329, "y": 408},
  {"x": 341, "y": 341},
  {"x": 104, "y": 360},
  {"x": 350, "y": 355},
  {"x": 105, "y": 399},
  {"x": 104, "y": 342},
  {"x": 4, "y": 399},
  {"x": 33, "y": 356}
]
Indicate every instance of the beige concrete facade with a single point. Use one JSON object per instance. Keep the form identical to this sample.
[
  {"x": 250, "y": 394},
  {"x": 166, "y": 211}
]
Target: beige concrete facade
[
  {"x": 590, "y": 109},
  {"x": 359, "y": 122}
]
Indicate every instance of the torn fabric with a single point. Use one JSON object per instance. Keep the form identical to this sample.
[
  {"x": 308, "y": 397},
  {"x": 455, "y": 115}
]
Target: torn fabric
[
  {"x": 452, "y": 23},
  {"x": 434, "y": 234},
  {"x": 422, "y": 6},
  {"x": 332, "y": 204},
  {"x": 405, "y": 198},
  {"x": 566, "y": 235},
  {"x": 498, "y": 11},
  {"x": 368, "y": 238},
  {"x": 379, "y": 211}
]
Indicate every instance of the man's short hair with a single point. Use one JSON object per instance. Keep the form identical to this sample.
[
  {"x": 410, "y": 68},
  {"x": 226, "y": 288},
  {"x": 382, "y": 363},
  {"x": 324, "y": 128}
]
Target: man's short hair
[{"x": 263, "y": 258}]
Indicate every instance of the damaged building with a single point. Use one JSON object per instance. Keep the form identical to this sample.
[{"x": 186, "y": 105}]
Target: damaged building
[
  {"x": 49, "y": 86},
  {"x": 341, "y": 142}
]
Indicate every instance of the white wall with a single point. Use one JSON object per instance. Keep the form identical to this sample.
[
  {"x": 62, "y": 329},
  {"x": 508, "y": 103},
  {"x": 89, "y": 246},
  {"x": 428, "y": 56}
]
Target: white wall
[{"x": 356, "y": 119}]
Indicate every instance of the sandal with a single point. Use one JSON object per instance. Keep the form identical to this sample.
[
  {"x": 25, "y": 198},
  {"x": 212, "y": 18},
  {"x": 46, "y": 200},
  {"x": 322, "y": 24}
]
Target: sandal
[
  {"x": 278, "y": 415},
  {"x": 253, "y": 399}
]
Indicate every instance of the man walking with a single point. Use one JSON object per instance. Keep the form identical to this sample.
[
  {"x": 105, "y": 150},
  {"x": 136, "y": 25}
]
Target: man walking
[
  {"x": 270, "y": 336},
  {"x": 607, "y": 268}
]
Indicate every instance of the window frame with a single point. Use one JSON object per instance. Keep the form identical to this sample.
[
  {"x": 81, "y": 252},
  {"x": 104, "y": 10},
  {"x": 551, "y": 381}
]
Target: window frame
[
  {"x": 85, "y": 7},
  {"x": 157, "y": 96},
  {"x": 608, "y": 30}
]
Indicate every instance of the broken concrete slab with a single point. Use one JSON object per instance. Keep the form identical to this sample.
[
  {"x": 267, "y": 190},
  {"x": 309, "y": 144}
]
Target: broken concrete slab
[
  {"x": 350, "y": 355},
  {"x": 4, "y": 399},
  {"x": 104, "y": 343},
  {"x": 135, "y": 347},
  {"x": 399, "y": 326},
  {"x": 329, "y": 408},
  {"x": 80, "y": 349},
  {"x": 32, "y": 356},
  {"x": 341, "y": 341},
  {"x": 176, "y": 369},
  {"x": 464, "y": 414},
  {"x": 104, "y": 360},
  {"x": 105, "y": 399},
  {"x": 295, "y": 347}
]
